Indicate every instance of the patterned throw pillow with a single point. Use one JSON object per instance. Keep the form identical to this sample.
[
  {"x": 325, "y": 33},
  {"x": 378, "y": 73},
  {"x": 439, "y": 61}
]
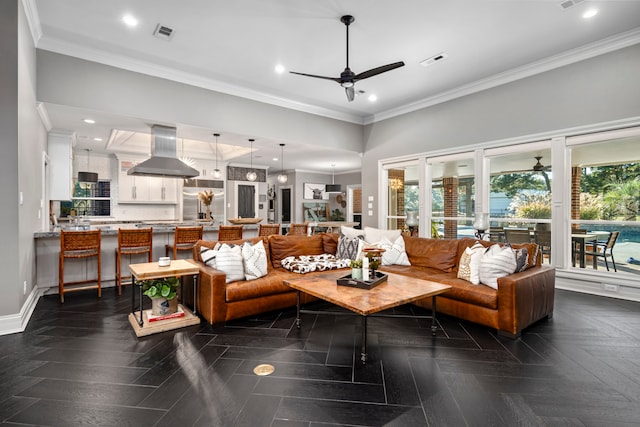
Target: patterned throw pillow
[
  {"x": 255, "y": 260},
  {"x": 349, "y": 248},
  {"x": 394, "y": 252},
  {"x": 522, "y": 255},
  {"x": 307, "y": 263},
  {"x": 469, "y": 267},
  {"x": 208, "y": 256},
  {"x": 229, "y": 261},
  {"x": 496, "y": 262}
]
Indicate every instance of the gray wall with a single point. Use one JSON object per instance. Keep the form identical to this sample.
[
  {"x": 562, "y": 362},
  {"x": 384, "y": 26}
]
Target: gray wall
[
  {"x": 23, "y": 140},
  {"x": 597, "y": 90},
  {"x": 78, "y": 83}
]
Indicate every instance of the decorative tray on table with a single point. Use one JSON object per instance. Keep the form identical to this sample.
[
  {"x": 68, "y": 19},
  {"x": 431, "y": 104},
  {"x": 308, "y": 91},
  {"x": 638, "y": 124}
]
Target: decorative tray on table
[
  {"x": 238, "y": 221},
  {"x": 363, "y": 284}
]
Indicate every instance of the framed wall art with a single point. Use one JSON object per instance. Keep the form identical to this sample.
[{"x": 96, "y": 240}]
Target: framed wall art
[
  {"x": 315, "y": 211},
  {"x": 315, "y": 192}
]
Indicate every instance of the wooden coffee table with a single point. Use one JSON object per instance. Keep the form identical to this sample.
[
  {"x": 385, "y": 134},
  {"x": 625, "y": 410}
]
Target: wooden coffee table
[{"x": 396, "y": 291}]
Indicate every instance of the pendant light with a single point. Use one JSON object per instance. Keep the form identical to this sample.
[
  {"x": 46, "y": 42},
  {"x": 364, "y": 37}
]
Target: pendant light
[
  {"x": 333, "y": 187},
  {"x": 217, "y": 174},
  {"x": 90, "y": 177},
  {"x": 251, "y": 175},
  {"x": 282, "y": 178}
]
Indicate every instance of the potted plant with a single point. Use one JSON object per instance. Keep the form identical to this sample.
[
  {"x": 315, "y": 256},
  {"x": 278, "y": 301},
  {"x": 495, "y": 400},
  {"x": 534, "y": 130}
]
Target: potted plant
[
  {"x": 356, "y": 269},
  {"x": 163, "y": 293}
]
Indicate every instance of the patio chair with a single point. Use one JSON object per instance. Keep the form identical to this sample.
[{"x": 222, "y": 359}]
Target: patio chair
[
  {"x": 517, "y": 236},
  {"x": 543, "y": 239},
  {"x": 604, "y": 250}
]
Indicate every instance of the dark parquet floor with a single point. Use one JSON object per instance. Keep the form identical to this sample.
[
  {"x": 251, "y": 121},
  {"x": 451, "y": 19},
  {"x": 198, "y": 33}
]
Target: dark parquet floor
[{"x": 81, "y": 364}]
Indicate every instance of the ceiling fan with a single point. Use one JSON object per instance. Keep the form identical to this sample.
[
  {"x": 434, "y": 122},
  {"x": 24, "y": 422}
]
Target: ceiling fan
[
  {"x": 539, "y": 167},
  {"x": 348, "y": 78}
]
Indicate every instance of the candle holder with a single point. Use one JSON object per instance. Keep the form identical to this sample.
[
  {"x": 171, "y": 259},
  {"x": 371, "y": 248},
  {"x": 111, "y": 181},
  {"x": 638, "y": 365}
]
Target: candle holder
[{"x": 481, "y": 224}]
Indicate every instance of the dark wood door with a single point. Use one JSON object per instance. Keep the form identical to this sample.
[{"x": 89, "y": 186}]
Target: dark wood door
[
  {"x": 285, "y": 194},
  {"x": 246, "y": 201}
]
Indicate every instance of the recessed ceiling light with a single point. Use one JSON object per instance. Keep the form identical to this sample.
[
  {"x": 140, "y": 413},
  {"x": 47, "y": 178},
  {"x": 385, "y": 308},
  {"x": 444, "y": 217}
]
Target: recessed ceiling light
[
  {"x": 130, "y": 20},
  {"x": 590, "y": 13},
  {"x": 372, "y": 98},
  {"x": 97, "y": 139},
  {"x": 279, "y": 69},
  {"x": 90, "y": 121},
  {"x": 275, "y": 159}
]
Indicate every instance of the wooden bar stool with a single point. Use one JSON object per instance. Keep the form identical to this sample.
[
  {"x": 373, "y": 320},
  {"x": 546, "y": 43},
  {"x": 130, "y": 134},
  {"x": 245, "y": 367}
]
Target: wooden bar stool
[
  {"x": 229, "y": 232},
  {"x": 298, "y": 229},
  {"x": 132, "y": 242},
  {"x": 184, "y": 239},
  {"x": 79, "y": 245},
  {"x": 268, "y": 229}
]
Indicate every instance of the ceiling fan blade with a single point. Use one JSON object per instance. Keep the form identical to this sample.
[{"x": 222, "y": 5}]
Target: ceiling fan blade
[
  {"x": 351, "y": 93},
  {"x": 378, "y": 70},
  {"x": 335, "y": 79}
]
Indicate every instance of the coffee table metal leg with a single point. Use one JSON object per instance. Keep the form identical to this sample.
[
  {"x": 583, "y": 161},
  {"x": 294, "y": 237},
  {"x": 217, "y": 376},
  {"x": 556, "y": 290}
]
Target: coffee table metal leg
[
  {"x": 298, "y": 311},
  {"x": 195, "y": 295},
  {"x": 133, "y": 301},
  {"x": 434, "y": 326},
  {"x": 363, "y": 350}
]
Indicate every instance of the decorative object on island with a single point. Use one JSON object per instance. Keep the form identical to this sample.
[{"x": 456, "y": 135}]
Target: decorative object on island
[
  {"x": 251, "y": 175},
  {"x": 243, "y": 221},
  {"x": 282, "y": 178},
  {"x": 206, "y": 197},
  {"x": 217, "y": 174},
  {"x": 333, "y": 187},
  {"x": 481, "y": 224},
  {"x": 163, "y": 293}
]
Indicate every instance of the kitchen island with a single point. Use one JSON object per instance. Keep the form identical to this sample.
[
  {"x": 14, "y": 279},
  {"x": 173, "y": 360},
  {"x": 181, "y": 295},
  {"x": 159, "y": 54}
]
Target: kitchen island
[{"x": 48, "y": 249}]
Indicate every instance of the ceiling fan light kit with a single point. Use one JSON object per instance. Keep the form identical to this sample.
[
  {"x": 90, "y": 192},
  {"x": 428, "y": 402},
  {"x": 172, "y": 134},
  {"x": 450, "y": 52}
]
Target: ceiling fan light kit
[{"x": 348, "y": 78}]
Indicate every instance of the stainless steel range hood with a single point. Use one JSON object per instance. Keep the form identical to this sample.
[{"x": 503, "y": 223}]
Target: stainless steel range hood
[{"x": 163, "y": 160}]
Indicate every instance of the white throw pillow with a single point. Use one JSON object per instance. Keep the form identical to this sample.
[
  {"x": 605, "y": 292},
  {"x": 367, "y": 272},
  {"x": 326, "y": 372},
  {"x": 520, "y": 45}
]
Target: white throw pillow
[
  {"x": 377, "y": 234},
  {"x": 394, "y": 252},
  {"x": 348, "y": 248},
  {"x": 496, "y": 262},
  {"x": 351, "y": 232},
  {"x": 208, "y": 256},
  {"x": 229, "y": 261},
  {"x": 255, "y": 260},
  {"x": 469, "y": 266}
]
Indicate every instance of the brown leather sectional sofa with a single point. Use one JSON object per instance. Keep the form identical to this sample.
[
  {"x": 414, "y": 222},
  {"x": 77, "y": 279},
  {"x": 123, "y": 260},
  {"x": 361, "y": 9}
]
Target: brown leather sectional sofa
[{"x": 520, "y": 300}]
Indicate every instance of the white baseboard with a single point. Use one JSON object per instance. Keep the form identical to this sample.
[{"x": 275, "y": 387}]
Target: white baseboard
[{"x": 15, "y": 323}]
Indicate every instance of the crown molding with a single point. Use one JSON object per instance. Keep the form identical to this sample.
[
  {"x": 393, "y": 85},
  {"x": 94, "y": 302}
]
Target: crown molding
[
  {"x": 156, "y": 70},
  {"x": 33, "y": 20},
  {"x": 610, "y": 44}
]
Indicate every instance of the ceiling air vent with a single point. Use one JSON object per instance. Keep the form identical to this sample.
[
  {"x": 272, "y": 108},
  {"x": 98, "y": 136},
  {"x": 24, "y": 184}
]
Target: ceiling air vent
[
  {"x": 435, "y": 58},
  {"x": 163, "y": 32},
  {"x": 569, "y": 3}
]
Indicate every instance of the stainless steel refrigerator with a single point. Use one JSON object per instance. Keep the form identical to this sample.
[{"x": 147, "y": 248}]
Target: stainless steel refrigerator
[{"x": 193, "y": 209}]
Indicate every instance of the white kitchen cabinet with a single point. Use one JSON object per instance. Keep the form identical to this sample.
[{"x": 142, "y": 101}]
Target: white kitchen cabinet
[
  {"x": 60, "y": 152},
  {"x": 144, "y": 189}
]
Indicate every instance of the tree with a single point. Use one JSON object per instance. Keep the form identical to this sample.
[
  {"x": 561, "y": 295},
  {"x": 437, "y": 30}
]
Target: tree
[
  {"x": 623, "y": 198},
  {"x": 595, "y": 179},
  {"x": 512, "y": 183}
]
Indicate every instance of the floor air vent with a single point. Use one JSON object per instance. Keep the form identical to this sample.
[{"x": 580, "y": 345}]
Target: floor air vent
[{"x": 163, "y": 32}]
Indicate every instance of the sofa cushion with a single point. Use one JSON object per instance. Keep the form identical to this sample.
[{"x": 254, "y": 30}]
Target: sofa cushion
[
  {"x": 351, "y": 232},
  {"x": 330, "y": 243},
  {"x": 497, "y": 261},
  {"x": 394, "y": 252},
  {"x": 435, "y": 253},
  {"x": 349, "y": 248},
  {"x": 229, "y": 261},
  {"x": 210, "y": 244},
  {"x": 255, "y": 260},
  {"x": 375, "y": 235},
  {"x": 281, "y": 247},
  {"x": 533, "y": 250},
  {"x": 461, "y": 290},
  {"x": 268, "y": 285},
  {"x": 469, "y": 265}
]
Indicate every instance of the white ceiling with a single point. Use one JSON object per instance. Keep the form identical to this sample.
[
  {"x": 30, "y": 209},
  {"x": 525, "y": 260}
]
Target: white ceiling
[{"x": 233, "y": 47}]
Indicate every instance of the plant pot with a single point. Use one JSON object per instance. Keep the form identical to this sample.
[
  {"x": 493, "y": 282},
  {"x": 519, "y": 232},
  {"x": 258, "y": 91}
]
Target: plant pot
[
  {"x": 162, "y": 306},
  {"x": 356, "y": 273}
]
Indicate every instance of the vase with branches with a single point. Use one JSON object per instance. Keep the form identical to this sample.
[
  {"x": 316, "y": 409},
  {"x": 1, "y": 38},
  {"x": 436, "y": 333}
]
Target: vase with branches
[{"x": 206, "y": 197}]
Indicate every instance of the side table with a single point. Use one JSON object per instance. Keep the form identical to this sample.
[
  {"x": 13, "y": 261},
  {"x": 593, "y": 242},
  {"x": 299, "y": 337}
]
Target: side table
[{"x": 151, "y": 270}]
